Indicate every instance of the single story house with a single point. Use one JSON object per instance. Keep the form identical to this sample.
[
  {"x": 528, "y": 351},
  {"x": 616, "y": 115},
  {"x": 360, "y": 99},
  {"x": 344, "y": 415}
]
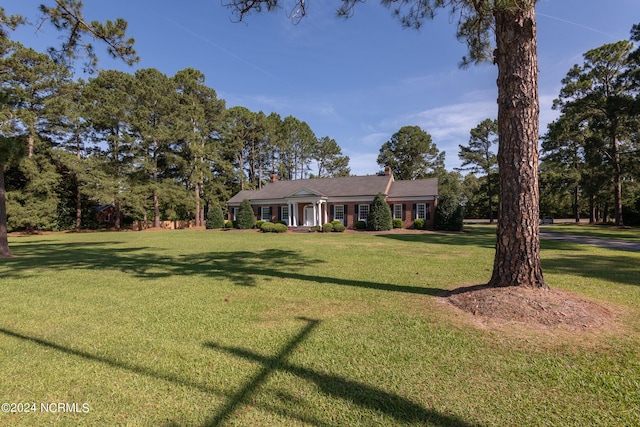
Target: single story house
[{"x": 311, "y": 202}]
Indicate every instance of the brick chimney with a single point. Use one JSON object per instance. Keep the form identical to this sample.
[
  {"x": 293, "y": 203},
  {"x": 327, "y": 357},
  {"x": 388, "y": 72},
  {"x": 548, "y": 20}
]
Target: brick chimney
[
  {"x": 387, "y": 171},
  {"x": 273, "y": 178}
]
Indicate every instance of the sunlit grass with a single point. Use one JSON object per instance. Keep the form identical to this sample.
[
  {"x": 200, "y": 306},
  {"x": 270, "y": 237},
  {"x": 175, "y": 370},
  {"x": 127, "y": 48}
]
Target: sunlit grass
[{"x": 245, "y": 328}]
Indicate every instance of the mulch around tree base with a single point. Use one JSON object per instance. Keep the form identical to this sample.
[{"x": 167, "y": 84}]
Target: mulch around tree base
[{"x": 534, "y": 307}]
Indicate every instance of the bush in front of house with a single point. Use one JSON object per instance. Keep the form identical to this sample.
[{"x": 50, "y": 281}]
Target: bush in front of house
[
  {"x": 339, "y": 227},
  {"x": 278, "y": 227},
  {"x": 379, "y": 218},
  {"x": 360, "y": 225},
  {"x": 397, "y": 223},
  {"x": 215, "y": 217},
  {"x": 245, "y": 218},
  {"x": 336, "y": 222},
  {"x": 449, "y": 214},
  {"x": 419, "y": 223},
  {"x": 259, "y": 224},
  {"x": 327, "y": 228},
  {"x": 315, "y": 228},
  {"x": 266, "y": 227},
  {"x": 228, "y": 224}
]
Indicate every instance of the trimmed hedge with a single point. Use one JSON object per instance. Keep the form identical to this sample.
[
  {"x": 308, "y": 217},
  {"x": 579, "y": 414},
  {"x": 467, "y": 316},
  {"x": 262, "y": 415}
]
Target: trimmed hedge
[
  {"x": 397, "y": 223},
  {"x": 339, "y": 228},
  {"x": 360, "y": 225},
  {"x": 419, "y": 223},
  {"x": 327, "y": 228}
]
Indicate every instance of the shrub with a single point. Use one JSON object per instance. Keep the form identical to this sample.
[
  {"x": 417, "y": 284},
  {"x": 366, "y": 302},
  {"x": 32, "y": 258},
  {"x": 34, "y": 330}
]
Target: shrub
[
  {"x": 215, "y": 217},
  {"x": 449, "y": 214},
  {"x": 245, "y": 218},
  {"x": 360, "y": 225},
  {"x": 259, "y": 224},
  {"x": 315, "y": 228},
  {"x": 339, "y": 227},
  {"x": 397, "y": 223},
  {"x": 336, "y": 222},
  {"x": 280, "y": 228},
  {"x": 379, "y": 218},
  {"x": 419, "y": 223},
  {"x": 228, "y": 224},
  {"x": 267, "y": 227},
  {"x": 327, "y": 228}
]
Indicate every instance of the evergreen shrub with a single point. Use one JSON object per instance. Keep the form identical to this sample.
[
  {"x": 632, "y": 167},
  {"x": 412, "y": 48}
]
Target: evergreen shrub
[
  {"x": 280, "y": 228},
  {"x": 215, "y": 217},
  {"x": 360, "y": 225},
  {"x": 419, "y": 223},
  {"x": 339, "y": 227},
  {"x": 327, "y": 228},
  {"x": 245, "y": 219},
  {"x": 379, "y": 218},
  {"x": 266, "y": 227},
  {"x": 397, "y": 223}
]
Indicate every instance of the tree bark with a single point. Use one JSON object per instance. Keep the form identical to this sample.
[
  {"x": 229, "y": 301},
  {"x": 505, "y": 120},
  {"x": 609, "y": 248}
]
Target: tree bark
[
  {"x": 517, "y": 257},
  {"x": 4, "y": 239}
]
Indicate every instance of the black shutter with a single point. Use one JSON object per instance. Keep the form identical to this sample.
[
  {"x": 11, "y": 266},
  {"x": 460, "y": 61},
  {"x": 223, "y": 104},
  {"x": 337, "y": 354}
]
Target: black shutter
[
  {"x": 427, "y": 211},
  {"x": 279, "y": 214},
  {"x": 404, "y": 211},
  {"x": 333, "y": 213},
  {"x": 346, "y": 217},
  {"x": 415, "y": 211}
]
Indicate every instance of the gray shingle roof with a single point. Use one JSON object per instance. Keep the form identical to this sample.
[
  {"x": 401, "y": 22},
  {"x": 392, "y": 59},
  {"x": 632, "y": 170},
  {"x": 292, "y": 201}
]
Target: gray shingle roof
[
  {"x": 417, "y": 188},
  {"x": 351, "y": 186}
]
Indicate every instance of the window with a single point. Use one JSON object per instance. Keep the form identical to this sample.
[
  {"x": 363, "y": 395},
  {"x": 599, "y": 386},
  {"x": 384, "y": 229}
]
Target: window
[
  {"x": 422, "y": 211},
  {"x": 234, "y": 214},
  {"x": 363, "y": 212},
  {"x": 338, "y": 213},
  {"x": 266, "y": 214},
  {"x": 397, "y": 211},
  {"x": 284, "y": 214}
]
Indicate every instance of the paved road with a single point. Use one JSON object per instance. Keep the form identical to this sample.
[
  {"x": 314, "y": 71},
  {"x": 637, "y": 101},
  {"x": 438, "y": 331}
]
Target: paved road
[{"x": 624, "y": 245}]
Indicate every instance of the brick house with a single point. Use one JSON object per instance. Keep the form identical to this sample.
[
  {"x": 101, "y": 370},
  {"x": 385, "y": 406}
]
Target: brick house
[{"x": 310, "y": 202}]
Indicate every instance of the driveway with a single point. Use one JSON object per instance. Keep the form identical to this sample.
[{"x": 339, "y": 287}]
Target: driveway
[{"x": 623, "y": 245}]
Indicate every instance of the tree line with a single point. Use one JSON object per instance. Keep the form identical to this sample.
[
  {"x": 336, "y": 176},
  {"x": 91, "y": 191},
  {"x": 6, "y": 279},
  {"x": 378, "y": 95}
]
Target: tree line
[
  {"x": 155, "y": 146},
  {"x": 590, "y": 163}
]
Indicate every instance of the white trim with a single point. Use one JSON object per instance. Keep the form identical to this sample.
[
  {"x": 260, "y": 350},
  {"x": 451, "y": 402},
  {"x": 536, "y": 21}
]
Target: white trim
[{"x": 411, "y": 199}]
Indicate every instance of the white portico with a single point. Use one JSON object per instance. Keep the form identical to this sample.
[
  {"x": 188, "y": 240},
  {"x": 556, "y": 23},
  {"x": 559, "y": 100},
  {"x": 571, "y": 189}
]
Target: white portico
[{"x": 306, "y": 208}]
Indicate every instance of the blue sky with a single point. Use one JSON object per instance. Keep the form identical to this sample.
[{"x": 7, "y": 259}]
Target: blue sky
[{"x": 357, "y": 81}]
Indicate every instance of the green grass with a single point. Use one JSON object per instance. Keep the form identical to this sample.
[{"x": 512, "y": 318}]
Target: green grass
[
  {"x": 257, "y": 329},
  {"x": 599, "y": 231}
]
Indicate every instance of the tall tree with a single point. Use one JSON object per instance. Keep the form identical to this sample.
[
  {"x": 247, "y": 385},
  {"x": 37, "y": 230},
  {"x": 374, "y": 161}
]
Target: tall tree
[
  {"x": 478, "y": 157},
  {"x": 512, "y": 23},
  {"x": 153, "y": 120},
  {"x": 329, "y": 158},
  {"x": 32, "y": 79},
  {"x": 66, "y": 16},
  {"x": 200, "y": 112},
  {"x": 110, "y": 100},
  {"x": 599, "y": 93},
  {"x": 411, "y": 154}
]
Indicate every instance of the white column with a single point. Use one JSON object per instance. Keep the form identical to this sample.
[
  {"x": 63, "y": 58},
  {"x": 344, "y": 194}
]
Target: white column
[
  {"x": 315, "y": 214},
  {"x": 326, "y": 212}
]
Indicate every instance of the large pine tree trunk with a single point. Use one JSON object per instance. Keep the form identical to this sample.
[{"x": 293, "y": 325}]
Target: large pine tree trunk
[
  {"x": 4, "y": 240},
  {"x": 517, "y": 258}
]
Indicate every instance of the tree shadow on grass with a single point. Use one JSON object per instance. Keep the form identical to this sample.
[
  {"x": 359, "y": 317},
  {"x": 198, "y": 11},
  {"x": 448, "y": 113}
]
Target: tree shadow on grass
[
  {"x": 363, "y": 395},
  {"x": 618, "y": 268},
  {"x": 480, "y": 240},
  {"x": 242, "y": 268}
]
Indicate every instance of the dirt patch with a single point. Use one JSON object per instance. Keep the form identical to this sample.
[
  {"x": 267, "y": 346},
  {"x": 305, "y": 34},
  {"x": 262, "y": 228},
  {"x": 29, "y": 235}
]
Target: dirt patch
[{"x": 537, "y": 309}]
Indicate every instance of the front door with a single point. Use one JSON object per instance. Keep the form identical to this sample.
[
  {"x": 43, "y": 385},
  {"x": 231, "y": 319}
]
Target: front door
[{"x": 308, "y": 215}]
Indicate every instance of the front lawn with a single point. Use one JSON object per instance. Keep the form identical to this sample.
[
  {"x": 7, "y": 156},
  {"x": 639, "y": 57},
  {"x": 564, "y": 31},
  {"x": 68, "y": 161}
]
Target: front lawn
[{"x": 258, "y": 329}]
